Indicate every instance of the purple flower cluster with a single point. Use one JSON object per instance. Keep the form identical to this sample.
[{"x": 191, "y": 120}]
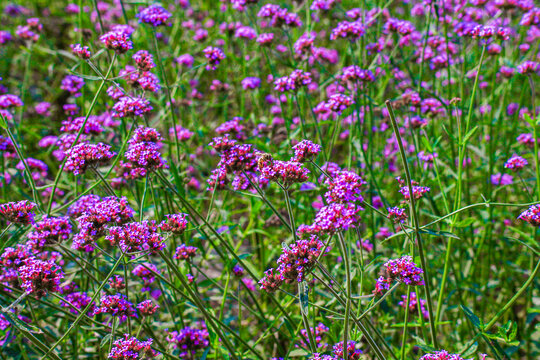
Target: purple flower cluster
[
  {"x": 93, "y": 216},
  {"x": 147, "y": 307},
  {"x": 82, "y": 52},
  {"x": 185, "y": 252},
  {"x": 136, "y": 236},
  {"x": 293, "y": 82},
  {"x": 516, "y": 163},
  {"x": 129, "y": 348},
  {"x": 154, "y": 15},
  {"x": 119, "y": 41},
  {"x": 143, "y": 154},
  {"x": 441, "y": 355},
  {"x": 215, "y": 56},
  {"x": 344, "y": 187},
  {"x": 82, "y": 156},
  {"x": 20, "y": 212},
  {"x": 283, "y": 172},
  {"x": 350, "y": 30},
  {"x": 353, "y": 353},
  {"x": 279, "y": 17},
  {"x": 415, "y": 304},
  {"x": 131, "y": 106},
  {"x": 50, "y": 231},
  {"x": 397, "y": 214},
  {"x": 174, "y": 223},
  {"x": 403, "y": 270},
  {"x": 189, "y": 340},
  {"x": 305, "y": 151},
  {"x": 38, "y": 277},
  {"x": 117, "y": 306},
  {"x": 418, "y": 191},
  {"x": 294, "y": 264},
  {"x": 318, "y": 332},
  {"x": 531, "y": 215},
  {"x": 72, "y": 84}
]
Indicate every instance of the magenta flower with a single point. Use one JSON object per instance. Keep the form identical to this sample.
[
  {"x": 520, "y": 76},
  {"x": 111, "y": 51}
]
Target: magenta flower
[
  {"x": 117, "y": 41},
  {"x": 132, "y": 349},
  {"x": 82, "y": 156},
  {"x": 80, "y": 51},
  {"x": 154, "y": 15},
  {"x": 128, "y": 106},
  {"x": 516, "y": 163},
  {"x": 18, "y": 212},
  {"x": 305, "y": 150},
  {"x": 40, "y": 277},
  {"x": 215, "y": 56}
]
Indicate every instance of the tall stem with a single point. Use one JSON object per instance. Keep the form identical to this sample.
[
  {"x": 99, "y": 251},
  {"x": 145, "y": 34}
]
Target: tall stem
[{"x": 416, "y": 223}]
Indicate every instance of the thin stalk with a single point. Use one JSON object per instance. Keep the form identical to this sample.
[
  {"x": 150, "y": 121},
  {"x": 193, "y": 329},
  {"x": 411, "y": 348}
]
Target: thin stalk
[{"x": 416, "y": 223}]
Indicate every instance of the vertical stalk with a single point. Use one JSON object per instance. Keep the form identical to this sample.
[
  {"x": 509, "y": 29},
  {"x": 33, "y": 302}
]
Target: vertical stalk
[{"x": 416, "y": 224}]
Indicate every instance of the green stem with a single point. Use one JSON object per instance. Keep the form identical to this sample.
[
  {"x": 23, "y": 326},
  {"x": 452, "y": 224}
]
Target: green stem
[{"x": 416, "y": 223}]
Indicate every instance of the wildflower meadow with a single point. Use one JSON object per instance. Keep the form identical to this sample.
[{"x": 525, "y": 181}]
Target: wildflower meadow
[{"x": 269, "y": 180}]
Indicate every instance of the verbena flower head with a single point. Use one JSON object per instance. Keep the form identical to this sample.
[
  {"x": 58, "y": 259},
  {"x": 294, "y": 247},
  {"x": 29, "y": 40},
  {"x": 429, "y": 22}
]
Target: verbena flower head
[
  {"x": 82, "y": 156},
  {"x": 352, "y": 352},
  {"x": 404, "y": 270},
  {"x": 528, "y": 67},
  {"x": 38, "y": 277},
  {"x": 336, "y": 217},
  {"x": 129, "y": 348},
  {"x": 144, "y": 60},
  {"x": 348, "y": 30},
  {"x": 271, "y": 281},
  {"x": 72, "y": 84},
  {"x": 147, "y": 307},
  {"x": 136, "y": 236},
  {"x": 415, "y": 304},
  {"x": 516, "y": 163},
  {"x": 344, "y": 187},
  {"x": 20, "y": 212},
  {"x": 80, "y": 51},
  {"x": 185, "y": 252},
  {"x": 117, "y": 306},
  {"x": 298, "y": 259},
  {"x": 293, "y": 82},
  {"x": 417, "y": 191},
  {"x": 305, "y": 150},
  {"x": 318, "y": 331},
  {"x": 117, "y": 41},
  {"x": 279, "y": 17},
  {"x": 154, "y": 15},
  {"x": 188, "y": 341},
  {"x": 531, "y": 215},
  {"x": 215, "y": 56},
  {"x": 397, "y": 214},
  {"x": 441, "y": 355},
  {"x": 129, "y": 106},
  {"x": 339, "y": 103},
  {"x": 174, "y": 223},
  {"x": 50, "y": 231},
  {"x": 94, "y": 218},
  {"x": 284, "y": 172},
  {"x": 251, "y": 83}
]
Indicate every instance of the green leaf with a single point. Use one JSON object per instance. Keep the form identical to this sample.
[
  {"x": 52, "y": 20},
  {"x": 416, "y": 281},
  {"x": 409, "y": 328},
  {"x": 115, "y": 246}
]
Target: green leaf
[
  {"x": 465, "y": 222},
  {"x": 469, "y": 134},
  {"x": 19, "y": 324},
  {"x": 106, "y": 339},
  {"x": 3, "y": 123},
  {"x": 439, "y": 233},
  {"x": 303, "y": 289},
  {"x": 298, "y": 353},
  {"x": 472, "y": 317},
  {"x": 471, "y": 350}
]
